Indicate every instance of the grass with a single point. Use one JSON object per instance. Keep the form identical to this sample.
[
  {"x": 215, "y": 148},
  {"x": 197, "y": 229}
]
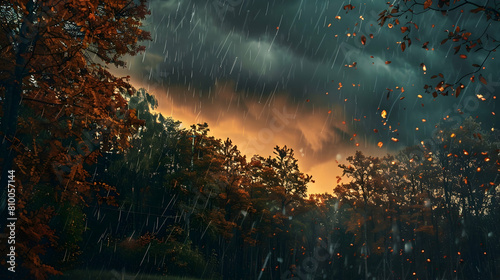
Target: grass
[{"x": 114, "y": 275}]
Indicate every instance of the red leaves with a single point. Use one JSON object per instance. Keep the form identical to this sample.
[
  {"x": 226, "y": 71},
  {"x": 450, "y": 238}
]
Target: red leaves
[
  {"x": 463, "y": 56},
  {"x": 404, "y": 29},
  {"x": 439, "y": 86},
  {"x": 349, "y": 7},
  {"x": 93, "y": 105},
  {"x": 466, "y": 35},
  {"x": 363, "y": 40},
  {"x": 388, "y": 62},
  {"x": 427, "y": 4}
]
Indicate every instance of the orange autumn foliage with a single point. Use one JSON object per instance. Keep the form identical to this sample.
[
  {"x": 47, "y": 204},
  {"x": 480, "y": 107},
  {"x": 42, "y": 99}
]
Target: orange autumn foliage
[{"x": 61, "y": 107}]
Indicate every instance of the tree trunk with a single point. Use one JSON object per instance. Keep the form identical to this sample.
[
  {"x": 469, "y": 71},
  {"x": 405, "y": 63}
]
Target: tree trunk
[{"x": 12, "y": 101}]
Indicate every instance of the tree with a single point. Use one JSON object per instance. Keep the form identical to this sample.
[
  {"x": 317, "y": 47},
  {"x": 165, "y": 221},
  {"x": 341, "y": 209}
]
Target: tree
[
  {"x": 151, "y": 226},
  {"x": 141, "y": 168},
  {"x": 61, "y": 107},
  {"x": 365, "y": 195},
  {"x": 472, "y": 32},
  {"x": 289, "y": 181},
  {"x": 53, "y": 57}
]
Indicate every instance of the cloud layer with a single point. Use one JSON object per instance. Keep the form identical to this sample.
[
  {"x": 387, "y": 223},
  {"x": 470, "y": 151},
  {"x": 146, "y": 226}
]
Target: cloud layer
[{"x": 268, "y": 73}]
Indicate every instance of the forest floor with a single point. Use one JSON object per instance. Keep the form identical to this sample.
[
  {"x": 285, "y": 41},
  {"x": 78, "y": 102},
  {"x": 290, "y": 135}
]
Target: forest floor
[{"x": 114, "y": 275}]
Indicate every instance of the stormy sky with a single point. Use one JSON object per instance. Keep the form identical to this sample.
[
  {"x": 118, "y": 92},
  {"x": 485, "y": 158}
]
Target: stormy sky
[{"x": 295, "y": 73}]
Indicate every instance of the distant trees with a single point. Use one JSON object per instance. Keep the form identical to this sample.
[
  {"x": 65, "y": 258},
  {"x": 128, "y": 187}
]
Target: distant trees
[
  {"x": 205, "y": 206},
  {"x": 364, "y": 193},
  {"x": 430, "y": 216},
  {"x": 183, "y": 185},
  {"x": 184, "y": 202}
]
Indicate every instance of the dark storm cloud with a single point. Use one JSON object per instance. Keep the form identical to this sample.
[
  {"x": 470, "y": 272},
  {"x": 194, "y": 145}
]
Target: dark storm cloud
[
  {"x": 245, "y": 60},
  {"x": 200, "y": 43}
]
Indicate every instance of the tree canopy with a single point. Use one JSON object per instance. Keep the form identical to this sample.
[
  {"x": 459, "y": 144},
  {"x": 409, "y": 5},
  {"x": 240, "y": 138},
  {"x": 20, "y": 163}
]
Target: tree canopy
[{"x": 61, "y": 107}]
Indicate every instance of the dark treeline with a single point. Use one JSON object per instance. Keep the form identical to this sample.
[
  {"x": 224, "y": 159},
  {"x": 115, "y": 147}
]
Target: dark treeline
[{"x": 192, "y": 205}]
